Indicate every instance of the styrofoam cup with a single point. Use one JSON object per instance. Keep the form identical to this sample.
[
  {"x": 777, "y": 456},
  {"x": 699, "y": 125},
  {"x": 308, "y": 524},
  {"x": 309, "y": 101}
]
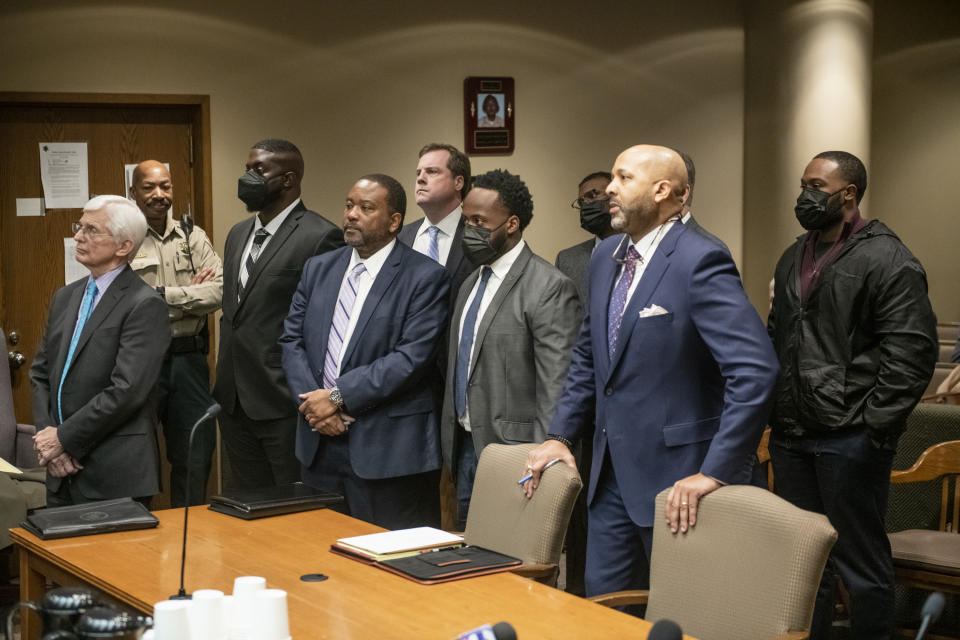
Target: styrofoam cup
[
  {"x": 171, "y": 620},
  {"x": 207, "y": 618},
  {"x": 270, "y": 620}
]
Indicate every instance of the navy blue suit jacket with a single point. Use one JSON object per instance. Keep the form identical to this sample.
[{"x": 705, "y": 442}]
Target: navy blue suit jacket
[
  {"x": 686, "y": 391},
  {"x": 391, "y": 351}
]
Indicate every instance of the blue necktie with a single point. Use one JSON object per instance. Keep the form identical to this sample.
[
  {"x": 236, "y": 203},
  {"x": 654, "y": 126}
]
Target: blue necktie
[
  {"x": 338, "y": 329},
  {"x": 86, "y": 308},
  {"x": 433, "y": 251},
  {"x": 466, "y": 346},
  {"x": 619, "y": 299}
]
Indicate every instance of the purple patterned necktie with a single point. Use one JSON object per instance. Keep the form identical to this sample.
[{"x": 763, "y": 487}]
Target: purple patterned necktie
[
  {"x": 619, "y": 299},
  {"x": 341, "y": 319}
]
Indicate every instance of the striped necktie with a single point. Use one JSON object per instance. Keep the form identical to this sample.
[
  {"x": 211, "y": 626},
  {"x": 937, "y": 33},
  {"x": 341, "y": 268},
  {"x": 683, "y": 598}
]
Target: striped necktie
[
  {"x": 341, "y": 319},
  {"x": 433, "y": 251},
  {"x": 86, "y": 308},
  {"x": 258, "y": 239}
]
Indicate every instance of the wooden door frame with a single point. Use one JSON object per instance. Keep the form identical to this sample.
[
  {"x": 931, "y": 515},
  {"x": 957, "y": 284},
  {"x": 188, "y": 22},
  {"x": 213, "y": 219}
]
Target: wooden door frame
[
  {"x": 201, "y": 128},
  {"x": 202, "y": 165}
]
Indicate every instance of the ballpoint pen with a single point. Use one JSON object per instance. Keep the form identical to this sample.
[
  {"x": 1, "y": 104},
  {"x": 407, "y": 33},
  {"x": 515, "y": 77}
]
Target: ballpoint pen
[{"x": 530, "y": 475}]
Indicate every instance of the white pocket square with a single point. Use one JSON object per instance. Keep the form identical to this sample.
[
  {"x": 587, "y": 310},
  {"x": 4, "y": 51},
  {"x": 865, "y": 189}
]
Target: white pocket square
[{"x": 652, "y": 310}]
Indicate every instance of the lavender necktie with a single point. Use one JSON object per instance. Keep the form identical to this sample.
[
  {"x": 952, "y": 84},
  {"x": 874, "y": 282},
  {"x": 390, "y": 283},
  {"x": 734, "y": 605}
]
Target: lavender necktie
[
  {"x": 619, "y": 299},
  {"x": 341, "y": 319}
]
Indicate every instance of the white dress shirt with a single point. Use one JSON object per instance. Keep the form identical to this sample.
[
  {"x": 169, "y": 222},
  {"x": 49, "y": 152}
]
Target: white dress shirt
[
  {"x": 499, "y": 268},
  {"x": 447, "y": 227},
  {"x": 271, "y": 228},
  {"x": 373, "y": 264},
  {"x": 646, "y": 248}
]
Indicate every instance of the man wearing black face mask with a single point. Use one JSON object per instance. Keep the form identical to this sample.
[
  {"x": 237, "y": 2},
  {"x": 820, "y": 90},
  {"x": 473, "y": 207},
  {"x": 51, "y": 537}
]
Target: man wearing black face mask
[
  {"x": 857, "y": 343},
  {"x": 594, "y": 211},
  {"x": 511, "y": 333},
  {"x": 263, "y": 258}
]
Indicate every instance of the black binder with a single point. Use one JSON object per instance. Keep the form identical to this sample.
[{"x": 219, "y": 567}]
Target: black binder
[
  {"x": 250, "y": 504},
  {"x": 89, "y": 518}
]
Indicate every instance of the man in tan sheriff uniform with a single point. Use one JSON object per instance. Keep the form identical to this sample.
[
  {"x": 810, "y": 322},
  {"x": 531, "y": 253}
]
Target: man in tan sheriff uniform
[{"x": 188, "y": 275}]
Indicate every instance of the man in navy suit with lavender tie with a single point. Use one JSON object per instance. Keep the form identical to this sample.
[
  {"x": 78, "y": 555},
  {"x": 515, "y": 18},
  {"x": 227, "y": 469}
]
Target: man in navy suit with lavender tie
[
  {"x": 358, "y": 345},
  {"x": 672, "y": 365}
]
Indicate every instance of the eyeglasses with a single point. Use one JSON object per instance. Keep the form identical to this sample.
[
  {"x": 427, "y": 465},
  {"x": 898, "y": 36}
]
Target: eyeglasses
[
  {"x": 589, "y": 196},
  {"x": 87, "y": 230}
]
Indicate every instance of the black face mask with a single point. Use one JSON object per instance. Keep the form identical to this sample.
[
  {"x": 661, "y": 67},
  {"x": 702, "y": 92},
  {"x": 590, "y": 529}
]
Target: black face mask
[
  {"x": 595, "y": 216},
  {"x": 477, "y": 246},
  {"x": 813, "y": 212},
  {"x": 253, "y": 191}
]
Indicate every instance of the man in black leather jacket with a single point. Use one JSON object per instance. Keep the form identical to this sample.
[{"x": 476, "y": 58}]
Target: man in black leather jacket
[{"x": 856, "y": 337}]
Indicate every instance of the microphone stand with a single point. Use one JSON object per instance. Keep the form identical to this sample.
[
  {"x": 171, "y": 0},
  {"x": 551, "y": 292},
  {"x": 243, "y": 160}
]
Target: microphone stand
[{"x": 212, "y": 411}]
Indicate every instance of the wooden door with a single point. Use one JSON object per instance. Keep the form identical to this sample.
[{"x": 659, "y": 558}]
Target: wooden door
[{"x": 118, "y": 130}]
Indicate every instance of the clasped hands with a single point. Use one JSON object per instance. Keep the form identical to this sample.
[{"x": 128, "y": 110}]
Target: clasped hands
[
  {"x": 323, "y": 415},
  {"x": 681, "y": 508},
  {"x": 51, "y": 455}
]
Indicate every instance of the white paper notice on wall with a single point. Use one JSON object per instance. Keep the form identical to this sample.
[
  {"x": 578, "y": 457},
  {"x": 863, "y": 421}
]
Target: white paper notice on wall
[
  {"x": 30, "y": 206},
  {"x": 72, "y": 270},
  {"x": 63, "y": 173}
]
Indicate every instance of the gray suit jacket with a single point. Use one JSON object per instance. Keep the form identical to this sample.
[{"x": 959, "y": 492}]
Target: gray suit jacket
[
  {"x": 109, "y": 404},
  {"x": 520, "y": 357},
  {"x": 574, "y": 262}
]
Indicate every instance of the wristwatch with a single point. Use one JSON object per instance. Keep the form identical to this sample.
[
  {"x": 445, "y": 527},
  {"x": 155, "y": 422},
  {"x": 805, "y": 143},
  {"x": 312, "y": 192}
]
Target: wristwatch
[
  {"x": 162, "y": 291},
  {"x": 336, "y": 398}
]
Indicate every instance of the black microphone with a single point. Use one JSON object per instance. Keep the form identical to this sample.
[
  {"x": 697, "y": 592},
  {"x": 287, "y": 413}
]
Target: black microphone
[
  {"x": 931, "y": 611},
  {"x": 665, "y": 630},
  {"x": 499, "y": 631},
  {"x": 211, "y": 411}
]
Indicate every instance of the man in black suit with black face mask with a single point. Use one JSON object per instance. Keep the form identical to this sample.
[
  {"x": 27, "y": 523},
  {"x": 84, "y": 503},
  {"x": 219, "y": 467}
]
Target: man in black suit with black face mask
[{"x": 263, "y": 258}]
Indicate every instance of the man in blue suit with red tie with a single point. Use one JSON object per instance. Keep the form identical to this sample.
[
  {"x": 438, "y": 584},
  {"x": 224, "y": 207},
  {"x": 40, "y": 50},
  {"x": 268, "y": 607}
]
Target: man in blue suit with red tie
[
  {"x": 358, "y": 345},
  {"x": 673, "y": 365}
]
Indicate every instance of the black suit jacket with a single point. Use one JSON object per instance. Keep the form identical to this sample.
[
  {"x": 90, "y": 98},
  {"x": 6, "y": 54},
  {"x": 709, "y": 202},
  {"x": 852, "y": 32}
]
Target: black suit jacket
[
  {"x": 248, "y": 361},
  {"x": 459, "y": 268},
  {"x": 109, "y": 404}
]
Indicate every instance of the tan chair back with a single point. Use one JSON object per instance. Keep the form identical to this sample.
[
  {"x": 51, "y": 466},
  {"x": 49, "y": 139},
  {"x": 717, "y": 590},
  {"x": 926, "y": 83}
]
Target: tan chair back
[
  {"x": 750, "y": 568},
  {"x": 502, "y": 519}
]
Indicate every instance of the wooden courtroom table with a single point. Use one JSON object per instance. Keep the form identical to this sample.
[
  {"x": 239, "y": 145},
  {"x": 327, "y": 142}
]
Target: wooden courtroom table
[{"x": 139, "y": 568}]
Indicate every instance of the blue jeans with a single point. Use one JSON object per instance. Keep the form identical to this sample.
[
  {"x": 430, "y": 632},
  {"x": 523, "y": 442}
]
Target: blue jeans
[{"x": 847, "y": 478}]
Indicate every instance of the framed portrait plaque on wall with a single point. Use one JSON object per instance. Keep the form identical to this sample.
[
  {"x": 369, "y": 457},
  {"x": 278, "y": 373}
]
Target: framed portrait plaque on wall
[{"x": 489, "y": 113}]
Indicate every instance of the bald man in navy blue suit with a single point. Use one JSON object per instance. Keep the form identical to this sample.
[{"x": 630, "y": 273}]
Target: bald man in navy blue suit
[{"x": 673, "y": 365}]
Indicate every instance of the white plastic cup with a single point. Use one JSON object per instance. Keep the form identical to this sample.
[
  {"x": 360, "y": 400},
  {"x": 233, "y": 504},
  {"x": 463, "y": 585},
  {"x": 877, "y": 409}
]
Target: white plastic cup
[
  {"x": 171, "y": 620},
  {"x": 242, "y": 614},
  {"x": 207, "y": 618},
  {"x": 270, "y": 615}
]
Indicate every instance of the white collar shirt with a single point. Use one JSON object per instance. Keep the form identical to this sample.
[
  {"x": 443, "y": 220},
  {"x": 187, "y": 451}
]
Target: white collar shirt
[
  {"x": 447, "y": 229},
  {"x": 646, "y": 247},
  {"x": 372, "y": 266},
  {"x": 271, "y": 228},
  {"x": 499, "y": 268}
]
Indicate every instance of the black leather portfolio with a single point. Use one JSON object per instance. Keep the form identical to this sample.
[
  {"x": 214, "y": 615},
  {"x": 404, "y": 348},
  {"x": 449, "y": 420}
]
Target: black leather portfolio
[
  {"x": 105, "y": 516},
  {"x": 273, "y": 501},
  {"x": 435, "y": 567}
]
